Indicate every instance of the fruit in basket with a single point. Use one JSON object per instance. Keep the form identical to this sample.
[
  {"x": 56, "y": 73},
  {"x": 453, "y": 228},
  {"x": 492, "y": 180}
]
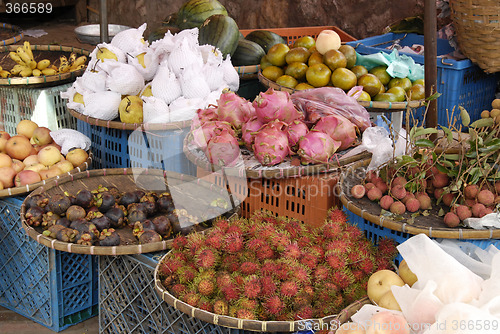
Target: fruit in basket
[
  {"x": 315, "y": 58},
  {"x": 350, "y": 55},
  {"x": 272, "y": 72},
  {"x": 247, "y": 53},
  {"x": 398, "y": 92},
  {"x": 49, "y": 156},
  {"x": 416, "y": 92},
  {"x": 381, "y": 73},
  {"x": 25, "y": 177},
  {"x": 380, "y": 283},
  {"x": 5, "y": 160},
  {"x": 334, "y": 59},
  {"x": 277, "y": 54},
  {"x": 287, "y": 81},
  {"x": 405, "y": 83},
  {"x": 371, "y": 84},
  {"x": 297, "y": 54},
  {"x": 318, "y": 75},
  {"x": 304, "y": 41},
  {"x": 297, "y": 70},
  {"x": 18, "y": 147},
  {"x": 131, "y": 109},
  {"x": 343, "y": 78},
  {"x": 25, "y": 128},
  {"x": 327, "y": 40},
  {"x": 316, "y": 147},
  {"x": 387, "y": 322},
  {"x": 359, "y": 70},
  {"x": 275, "y": 105},
  {"x": 271, "y": 143},
  {"x": 339, "y": 128},
  {"x": 51, "y": 172},
  {"x": 41, "y": 136},
  {"x": 386, "y": 97}
]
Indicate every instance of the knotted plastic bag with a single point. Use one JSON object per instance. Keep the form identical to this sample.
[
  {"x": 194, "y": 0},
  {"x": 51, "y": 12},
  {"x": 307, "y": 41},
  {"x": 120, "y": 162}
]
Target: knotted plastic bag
[
  {"x": 155, "y": 110},
  {"x": 184, "y": 109},
  {"x": 193, "y": 83},
  {"x": 123, "y": 78},
  {"x": 130, "y": 40},
  {"x": 69, "y": 139},
  {"x": 150, "y": 59},
  {"x": 231, "y": 76},
  {"x": 102, "y": 105},
  {"x": 165, "y": 85},
  {"x": 184, "y": 56}
]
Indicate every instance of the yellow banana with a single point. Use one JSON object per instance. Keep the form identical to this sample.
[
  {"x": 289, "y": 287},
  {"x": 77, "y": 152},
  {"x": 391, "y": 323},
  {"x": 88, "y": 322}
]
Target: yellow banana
[
  {"x": 72, "y": 58},
  {"x": 54, "y": 67},
  {"x": 37, "y": 72},
  {"x": 49, "y": 71},
  {"x": 24, "y": 56},
  {"x": 4, "y": 74},
  {"x": 27, "y": 49},
  {"x": 15, "y": 57},
  {"x": 63, "y": 59},
  {"x": 1, "y": 68},
  {"x": 79, "y": 67},
  {"x": 32, "y": 64},
  {"x": 17, "y": 69},
  {"x": 26, "y": 72},
  {"x": 43, "y": 64},
  {"x": 64, "y": 67},
  {"x": 80, "y": 60}
]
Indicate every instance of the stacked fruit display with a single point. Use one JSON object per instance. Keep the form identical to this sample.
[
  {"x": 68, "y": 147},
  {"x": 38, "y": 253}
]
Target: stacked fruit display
[
  {"x": 326, "y": 62},
  {"x": 31, "y": 156},
  {"x": 27, "y": 66},
  {"x": 273, "y": 128},
  {"x": 465, "y": 178},
  {"x": 96, "y": 217},
  {"x": 274, "y": 268}
]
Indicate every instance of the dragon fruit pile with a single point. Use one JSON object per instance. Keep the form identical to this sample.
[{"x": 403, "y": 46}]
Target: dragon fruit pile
[
  {"x": 274, "y": 268},
  {"x": 272, "y": 127}
]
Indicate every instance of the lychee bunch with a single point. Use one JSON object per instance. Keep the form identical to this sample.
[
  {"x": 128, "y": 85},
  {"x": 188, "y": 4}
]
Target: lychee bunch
[{"x": 269, "y": 267}]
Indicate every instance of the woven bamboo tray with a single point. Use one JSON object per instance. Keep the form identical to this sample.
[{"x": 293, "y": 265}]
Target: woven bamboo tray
[
  {"x": 10, "y": 34},
  {"x": 372, "y": 105},
  {"x": 248, "y": 72},
  {"x": 251, "y": 325},
  {"x": 16, "y": 191},
  {"x": 128, "y": 126},
  {"x": 250, "y": 167},
  {"x": 125, "y": 180},
  {"x": 51, "y": 52},
  {"x": 431, "y": 225},
  {"x": 477, "y": 27}
]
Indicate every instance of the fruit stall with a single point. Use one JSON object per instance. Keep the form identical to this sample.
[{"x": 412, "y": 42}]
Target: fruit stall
[{"x": 198, "y": 177}]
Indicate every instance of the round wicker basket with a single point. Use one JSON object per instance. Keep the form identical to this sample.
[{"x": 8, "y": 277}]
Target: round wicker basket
[
  {"x": 10, "y": 34},
  {"x": 125, "y": 179},
  {"x": 431, "y": 225},
  {"x": 51, "y": 52},
  {"x": 477, "y": 27},
  {"x": 252, "y": 325}
]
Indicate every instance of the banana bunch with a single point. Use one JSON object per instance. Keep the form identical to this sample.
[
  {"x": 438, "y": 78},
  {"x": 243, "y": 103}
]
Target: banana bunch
[{"x": 27, "y": 66}]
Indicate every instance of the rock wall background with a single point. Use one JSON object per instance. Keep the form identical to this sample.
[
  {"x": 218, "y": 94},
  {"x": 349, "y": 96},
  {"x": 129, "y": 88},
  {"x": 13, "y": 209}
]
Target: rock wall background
[{"x": 361, "y": 18}]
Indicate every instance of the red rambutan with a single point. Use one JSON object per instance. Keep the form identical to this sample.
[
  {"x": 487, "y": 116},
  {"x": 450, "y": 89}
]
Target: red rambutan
[
  {"x": 342, "y": 277},
  {"x": 292, "y": 251},
  {"x": 206, "y": 287},
  {"x": 169, "y": 266},
  {"x": 206, "y": 258},
  {"x": 221, "y": 307},
  {"x": 234, "y": 229},
  {"x": 304, "y": 241},
  {"x": 245, "y": 314},
  {"x": 331, "y": 230},
  {"x": 233, "y": 243},
  {"x": 195, "y": 241},
  {"x": 215, "y": 240},
  {"x": 274, "y": 305},
  {"x": 387, "y": 248},
  {"x": 268, "y": 268},
  {"x": 250, "y": 304},
  {"x": 206, "y": 304},
  {"x": 252, "y": 287},
  {"x": 281, "y": 271},
  {"x": 178, "y": 289},
  {"x": 289, "y": 289},
  {"x": 301, "y": 299},
  {"x": 353, "y": 293},
  {"x": 266, "y": 231},
  {"x": 309, "y": 260},
  {"x": 295, "y": 228},
  {"x": 223, "y": 278},
  {"x": 249, "y": 268},
  {"x": 186, "y": 274},
  {"x": 358, "y": 274},
  {"x": 338, "y": 246},
  {"x": 335, "y": 259},
  {"x": 268, "y": 285},
  {"x": 321, "y": 273},
  {"x": 179, "y": 242},
  {"x": 231, "y": 291},
  {"x": 191, "y": 298},
  {"x": 305, "y": 312},
  {"x": 221, "y": 224},
  {"x": 265, "y": 252},
  {"x": 279, "y": 241},
  {"x": 230, "y": 262},
  {"x": 337, "y": 216},
  {"x": 353, "y": 232},
  {"x": 367, "y": 265},
  {"x": 254, "y": 244}
]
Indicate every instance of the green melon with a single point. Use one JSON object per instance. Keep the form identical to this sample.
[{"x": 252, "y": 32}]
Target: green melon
[
  {"x": 220, "y": 31},
  {"x": 247, "y": 53},
  {"x": 265, "y": 38},
  {"x": 194, "y": 12}
]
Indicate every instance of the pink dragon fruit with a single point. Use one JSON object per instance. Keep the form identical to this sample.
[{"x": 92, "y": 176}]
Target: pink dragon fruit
[
  {"x": 296, "y": 130},
  {"x": 223, "y": 150},
  {"x": 249, "y": 130},
  {"x": 271, "y": 144},
  {"x": 276, "y": 105},
  {"x": 316, "y": 147},
  {"x": 339, "y": 128},
  {"x": 202, "y": 135},
  {"x": 234, "y": 109}
]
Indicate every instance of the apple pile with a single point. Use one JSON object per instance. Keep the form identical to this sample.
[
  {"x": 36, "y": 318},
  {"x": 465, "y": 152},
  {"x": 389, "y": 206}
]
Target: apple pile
[{"x": 31, "y": 156}]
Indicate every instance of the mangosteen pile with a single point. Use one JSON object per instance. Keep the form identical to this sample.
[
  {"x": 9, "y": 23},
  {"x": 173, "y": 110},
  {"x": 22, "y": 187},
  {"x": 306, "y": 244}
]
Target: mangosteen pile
[{"x": 95, "y": 217}]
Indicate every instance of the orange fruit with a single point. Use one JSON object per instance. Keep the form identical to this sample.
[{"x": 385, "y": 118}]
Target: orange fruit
[
  {"x": 416, "y": 92},
  {"x": 315, "y": 58},
  {"x": 402, "y": 82},
  {"x": 318, "y": 75},
  {"x": 399, "y": 92},
  {"x": 277, "y": 53},
  {"x": 364, "y": 96},
  {"x": 297, "y": 55},
  {"x": 305, "y": 41},
  {"x": 381, "y": 73},
  {"x": 272, "y": 72},
  {"x": 359, "y": 70},
  {"x": 303, "y": 86},
  {"x": 371, "y": 84},
  {"x": 334, "y": 59},
  {"x": 344, "y": 78},
  {"x": 297, "y": 70},
  {"x": 350, "y": 55}
]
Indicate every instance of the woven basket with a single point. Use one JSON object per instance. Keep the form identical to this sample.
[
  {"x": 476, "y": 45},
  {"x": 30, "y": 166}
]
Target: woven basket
[
  {"x": 126, "y": 179},
  {"x": 10, "y": 34},
  {"x": 477, "y": 26},
  {"x": 252, "y": 325}
]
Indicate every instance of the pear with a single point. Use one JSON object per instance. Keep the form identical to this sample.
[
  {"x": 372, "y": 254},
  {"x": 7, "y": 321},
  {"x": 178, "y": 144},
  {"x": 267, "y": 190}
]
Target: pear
[
  {"x": 130, "y": 109},
  {"x": 147, "y": 91},
  {"x": 104, "y": 53},
  {"x": 78, "y": 98},
  {"x": 140, "y": 59}
]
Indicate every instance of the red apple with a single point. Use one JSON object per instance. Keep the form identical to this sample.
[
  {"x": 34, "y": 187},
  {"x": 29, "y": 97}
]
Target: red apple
[
  {"x": 36, "y": 167},
  {"x": 51, "y": 172},
  {"x": 77, "y": 156},
  {"x": 49, "y": 156},
  {"x": 18, "y": 165},
  {"x": 31, "y": 160},
  {"x": 7, "y": 175},
  {"x": 65, "y": 166},
  {"x": 41, "y": 136},
  {"x": 26, "y": 127},
  {"x": 25, "y": 177},
  {"x": 18, "y": 147},
  {"x": 4, "y": 134},
  {"x": 5, "y": 160}
]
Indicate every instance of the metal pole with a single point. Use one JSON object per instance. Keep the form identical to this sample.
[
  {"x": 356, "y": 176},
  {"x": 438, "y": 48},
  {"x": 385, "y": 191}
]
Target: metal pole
[
  {"x": 430, "y": 58},
  {"x": 103, "y": 20}
]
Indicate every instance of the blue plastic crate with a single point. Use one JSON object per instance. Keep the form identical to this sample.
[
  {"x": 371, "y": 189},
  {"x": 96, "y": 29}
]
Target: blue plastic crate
[
  {"x": 459, "y": 81},
  {"x": 374, "y": 232},
  {"x": 129, "y": 303},
  {"x": 115, "y": 148},
  {"x": 55, "y": 289}
]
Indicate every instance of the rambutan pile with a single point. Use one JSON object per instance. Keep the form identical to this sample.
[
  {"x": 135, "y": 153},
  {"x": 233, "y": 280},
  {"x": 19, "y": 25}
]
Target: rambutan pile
[{"x": 274, "y": 268}]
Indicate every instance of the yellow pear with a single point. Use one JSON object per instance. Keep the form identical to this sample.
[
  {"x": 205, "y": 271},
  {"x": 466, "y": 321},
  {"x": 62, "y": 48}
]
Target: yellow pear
[
  {"x": 104, "y": 53},
  {"x": 146, "y": 91},
  {"x": 389, "y": 302},
  {"x": 406, "y": 274},
  {"x": 140, "y": 59},
  {"x": 78, "y": 98},
  {"x": 130, "y": 109}
]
